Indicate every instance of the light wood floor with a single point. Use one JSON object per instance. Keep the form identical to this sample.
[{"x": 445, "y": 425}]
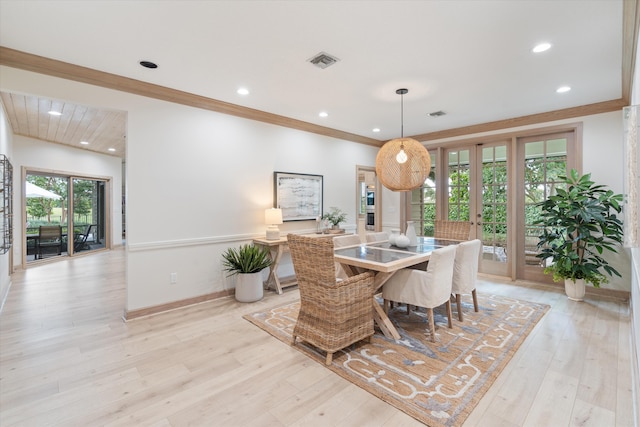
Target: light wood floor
[{"x": 68, "y": 359}]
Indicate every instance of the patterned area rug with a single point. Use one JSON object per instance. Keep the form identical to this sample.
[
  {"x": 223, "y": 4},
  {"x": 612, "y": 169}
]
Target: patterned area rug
[{"x": 437, "y": 383}]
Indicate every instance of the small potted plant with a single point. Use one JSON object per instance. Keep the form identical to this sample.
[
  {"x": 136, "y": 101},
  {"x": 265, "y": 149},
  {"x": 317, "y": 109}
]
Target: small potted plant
[
  {"x": 247, "y": 262},
  {"x": 335, "y": 216},
  {"x": 580, "y": 223}
]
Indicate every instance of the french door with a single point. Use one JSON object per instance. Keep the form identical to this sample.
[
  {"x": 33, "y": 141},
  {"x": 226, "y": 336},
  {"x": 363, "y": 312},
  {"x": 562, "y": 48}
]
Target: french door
[
  {"x": 496, "y": 186},
  {"x": 477, "y": 184},
  {"x": 542, "y": 161},
  {"x": 491, "y": 207}
]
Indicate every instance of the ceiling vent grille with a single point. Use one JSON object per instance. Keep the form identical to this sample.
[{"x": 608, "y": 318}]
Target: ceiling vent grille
[{"x": 323, "y": 60}]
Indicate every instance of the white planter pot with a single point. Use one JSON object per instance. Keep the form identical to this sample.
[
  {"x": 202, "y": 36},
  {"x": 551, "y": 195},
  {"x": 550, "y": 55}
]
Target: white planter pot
[
  {"x": 574, "y": 290},
  {"x": 249, "y": 287}
]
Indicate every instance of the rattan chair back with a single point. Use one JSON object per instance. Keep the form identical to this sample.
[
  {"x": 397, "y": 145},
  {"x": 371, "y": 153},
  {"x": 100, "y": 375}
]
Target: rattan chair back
[
  {"x": 333, "y": 314},
  {"x": 454, "y": 230},
  {"x": 340, "y": 242}
]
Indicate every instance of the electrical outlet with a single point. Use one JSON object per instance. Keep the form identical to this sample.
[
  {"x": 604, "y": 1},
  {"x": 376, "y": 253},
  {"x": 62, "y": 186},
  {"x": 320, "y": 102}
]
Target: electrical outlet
[{"x": 173, "y": 278}]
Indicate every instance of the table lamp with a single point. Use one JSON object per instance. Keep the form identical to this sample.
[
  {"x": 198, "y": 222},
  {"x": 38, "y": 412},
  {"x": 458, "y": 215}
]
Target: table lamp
[{"x": 273, "y": 217}]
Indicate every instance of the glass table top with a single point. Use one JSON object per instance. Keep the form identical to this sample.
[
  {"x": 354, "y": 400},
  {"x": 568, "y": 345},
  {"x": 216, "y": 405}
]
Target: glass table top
[
  {"x": 373, "y": 253},
  {"x": 383, "y": 252}
]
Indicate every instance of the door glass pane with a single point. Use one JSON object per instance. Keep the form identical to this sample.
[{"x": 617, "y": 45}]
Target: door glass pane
[
  {"x": 422, "y": 204},
  {"x": 494, "y": 203},
  {"x": 545, "y": 161},
  {"x": 458, "y": 173},
  {"x": 46, "y": 206},
  {"x": 88, "y": 215}
]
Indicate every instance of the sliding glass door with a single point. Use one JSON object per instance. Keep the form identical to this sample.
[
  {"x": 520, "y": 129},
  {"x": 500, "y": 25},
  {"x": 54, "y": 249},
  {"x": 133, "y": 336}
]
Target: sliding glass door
[
  {"x": 89, "y": 214},
  {"x": 46, "y": 207},
  {"x": 65, "y": 215}
]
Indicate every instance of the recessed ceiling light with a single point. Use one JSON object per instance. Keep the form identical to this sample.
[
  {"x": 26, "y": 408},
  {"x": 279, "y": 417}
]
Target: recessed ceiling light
[
  {"x": 84, "y": 143},
  {"x": 376, "y": 129},
  {"x": 243, "y": 91},
  {"x": 541, "y": 47},
  {"x": 563, "y": 89},
  {"x": 323, "y": 114},
  {"x": 55, "y": 113},
  {"x": 148, "y": 64},
  {"x": 112, "y": 149}
]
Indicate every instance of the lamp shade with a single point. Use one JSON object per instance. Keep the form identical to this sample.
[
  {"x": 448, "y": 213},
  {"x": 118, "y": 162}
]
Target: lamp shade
[
  {"x": 273, "y": 216},
  {"x": 403, "y": 164}
]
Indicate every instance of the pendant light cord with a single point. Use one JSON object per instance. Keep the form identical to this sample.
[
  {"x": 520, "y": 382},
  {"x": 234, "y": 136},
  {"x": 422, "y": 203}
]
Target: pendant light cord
[
  {"x": 401, "y": 92},
  {"x": 401, "y": 115}
]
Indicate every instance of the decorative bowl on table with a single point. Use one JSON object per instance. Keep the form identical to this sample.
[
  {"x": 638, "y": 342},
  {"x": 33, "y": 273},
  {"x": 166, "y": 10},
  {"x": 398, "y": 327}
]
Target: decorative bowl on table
[{"x": 402, "y": 241}]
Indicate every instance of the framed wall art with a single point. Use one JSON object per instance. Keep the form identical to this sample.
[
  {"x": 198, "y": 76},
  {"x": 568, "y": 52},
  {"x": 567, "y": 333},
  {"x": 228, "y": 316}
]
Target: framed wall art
[{"x": 298, "y": 195}]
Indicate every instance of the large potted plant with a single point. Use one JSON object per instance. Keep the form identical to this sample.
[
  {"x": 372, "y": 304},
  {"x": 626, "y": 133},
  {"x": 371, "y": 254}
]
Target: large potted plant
[
  {"x": 247, "y": 262},
  {"x": 579, "y": 224}
]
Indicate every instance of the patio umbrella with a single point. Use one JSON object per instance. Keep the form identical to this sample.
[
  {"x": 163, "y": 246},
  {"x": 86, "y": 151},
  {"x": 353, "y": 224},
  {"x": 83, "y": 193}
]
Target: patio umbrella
[{"x": 35, "y": 191}]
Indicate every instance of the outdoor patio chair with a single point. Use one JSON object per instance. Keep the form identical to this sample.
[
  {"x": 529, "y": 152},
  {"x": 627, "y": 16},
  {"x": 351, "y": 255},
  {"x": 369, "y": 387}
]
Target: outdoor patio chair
[
  {"x": 333, "y": 314},
  {"x": 80, "y": 239},
  {"x": 49, "y": 240}
]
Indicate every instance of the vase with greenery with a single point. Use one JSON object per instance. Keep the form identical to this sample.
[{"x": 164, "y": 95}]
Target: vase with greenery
[
  {"x": 247, "y": 262},
  {"x": 580, "y": 222},
  {"x": 335, "y": 216}
]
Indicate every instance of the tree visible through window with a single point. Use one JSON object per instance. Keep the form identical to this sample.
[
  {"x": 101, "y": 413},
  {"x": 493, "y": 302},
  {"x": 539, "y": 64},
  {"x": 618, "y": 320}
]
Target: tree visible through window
[{"x": 423, "y": 202}]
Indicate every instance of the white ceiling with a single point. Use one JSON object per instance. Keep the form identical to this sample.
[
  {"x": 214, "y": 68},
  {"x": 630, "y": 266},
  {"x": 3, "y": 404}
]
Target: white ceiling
[{"x": 469, "y": 58}]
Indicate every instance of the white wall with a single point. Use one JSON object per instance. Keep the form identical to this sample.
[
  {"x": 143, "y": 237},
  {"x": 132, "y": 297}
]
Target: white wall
[
  {"x": 198, "y": 182},
  {"x": 206, "y": 189},
  {"x": 6, "y": 145},
  {"x": 635, "y": 285},
  {"x": 35, "y": 154}
]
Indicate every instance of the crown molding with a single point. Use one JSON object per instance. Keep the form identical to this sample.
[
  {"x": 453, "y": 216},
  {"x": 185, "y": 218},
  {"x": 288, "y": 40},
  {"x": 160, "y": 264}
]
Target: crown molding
[
  {"x": 51, "y": 67},
  {"x": 42, "y": 65}
]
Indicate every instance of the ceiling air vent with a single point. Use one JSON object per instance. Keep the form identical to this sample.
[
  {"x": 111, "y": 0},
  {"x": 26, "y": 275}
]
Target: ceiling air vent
[
  {"x": 436, "y": 114},
  {"x": 323, "y": 60}
]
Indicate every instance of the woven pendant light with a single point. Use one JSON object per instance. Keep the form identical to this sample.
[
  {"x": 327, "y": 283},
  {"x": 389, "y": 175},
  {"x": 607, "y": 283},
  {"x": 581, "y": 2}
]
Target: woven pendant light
[{"x": 403, "y": 164}]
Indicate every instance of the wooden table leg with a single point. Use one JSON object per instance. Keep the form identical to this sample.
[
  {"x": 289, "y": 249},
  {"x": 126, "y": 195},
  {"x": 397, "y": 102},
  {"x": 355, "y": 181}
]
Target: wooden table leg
[
  {"x": 273, "y": 274},
  {"x": 379, "y": 316},
  {"x": 383, "y": 322}
]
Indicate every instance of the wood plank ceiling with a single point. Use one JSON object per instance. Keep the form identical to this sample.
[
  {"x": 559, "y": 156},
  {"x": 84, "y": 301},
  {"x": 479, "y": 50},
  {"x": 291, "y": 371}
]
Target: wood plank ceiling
[{"x": 103, "y": 130}]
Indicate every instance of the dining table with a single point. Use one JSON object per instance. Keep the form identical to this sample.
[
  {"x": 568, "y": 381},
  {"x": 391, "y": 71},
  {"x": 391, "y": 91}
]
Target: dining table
[{"x": 384, "y": 259}]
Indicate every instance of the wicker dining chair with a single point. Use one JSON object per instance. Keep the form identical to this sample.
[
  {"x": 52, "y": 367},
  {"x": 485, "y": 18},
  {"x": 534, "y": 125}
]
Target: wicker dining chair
[
  {"x": 454, "y": 230},
  {"x": 340, "y": 242},
  {"x": 333, "y": 314}
]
